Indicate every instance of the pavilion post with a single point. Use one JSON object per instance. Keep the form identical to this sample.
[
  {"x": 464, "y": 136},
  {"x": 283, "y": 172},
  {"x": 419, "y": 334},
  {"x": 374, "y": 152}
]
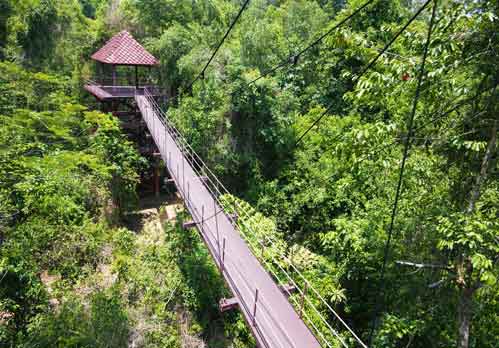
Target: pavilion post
[
  {"x": 136, "y": 77},
  {"x": 114, "y": 76}
]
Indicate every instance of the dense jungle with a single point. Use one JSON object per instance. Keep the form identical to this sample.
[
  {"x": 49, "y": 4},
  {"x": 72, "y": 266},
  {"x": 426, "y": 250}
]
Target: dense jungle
[{"x": 371, "y": 158}]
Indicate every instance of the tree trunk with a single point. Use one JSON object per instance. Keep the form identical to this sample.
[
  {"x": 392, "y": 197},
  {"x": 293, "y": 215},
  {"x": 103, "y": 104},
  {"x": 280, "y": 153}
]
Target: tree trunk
[
  {"x": 464, "y": 316},
  {"x": 491, "y": 147},
  {"x": 465, "y": 268}
]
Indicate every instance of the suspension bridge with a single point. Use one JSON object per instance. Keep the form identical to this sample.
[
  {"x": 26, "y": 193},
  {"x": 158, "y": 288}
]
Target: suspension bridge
[
  {"x": 270, "y": 316},
  {"x": 280, "y": 306}
]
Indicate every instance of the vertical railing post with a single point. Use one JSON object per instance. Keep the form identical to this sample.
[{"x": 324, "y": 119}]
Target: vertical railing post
[
  {"x": 166, "y": 137},
  {"x": 169, "y": 159},
  {"x": 223, "y": 256},
  {"x": 262, "y": 249},
  {"x": 188, "y": 193},
  {"x": 216, "y": 227},
  {"x": 153, "y": 133},
  {"x": 183, "y": 167},
  {"x": 202, "y": 218},
  {"x": 254, "y": 307},
  {"x": 155, "y": 115},
  {"x": 304, "y": 293},
  {"x": 178, "y": 174}
]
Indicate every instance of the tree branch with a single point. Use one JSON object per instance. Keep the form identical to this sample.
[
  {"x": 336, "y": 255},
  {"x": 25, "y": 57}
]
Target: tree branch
[{"x": 422, "y": 265}]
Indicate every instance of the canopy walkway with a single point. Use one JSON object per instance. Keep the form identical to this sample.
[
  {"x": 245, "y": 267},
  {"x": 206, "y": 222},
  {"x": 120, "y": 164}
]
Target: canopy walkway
[
  {"x": 280, "y": 306},
  {"x": 272, "y": 319}
]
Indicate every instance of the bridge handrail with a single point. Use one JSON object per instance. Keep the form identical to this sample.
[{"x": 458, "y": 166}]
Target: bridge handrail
[
  {"x": 261, "y": 299},
  {"x": 217, "y": 189},
  {"x": 240, "y": 209},
  {"x": 167, "y": 123}
]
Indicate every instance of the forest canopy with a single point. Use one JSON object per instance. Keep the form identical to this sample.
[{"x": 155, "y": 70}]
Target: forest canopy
[{"x": 408, "y": 257}]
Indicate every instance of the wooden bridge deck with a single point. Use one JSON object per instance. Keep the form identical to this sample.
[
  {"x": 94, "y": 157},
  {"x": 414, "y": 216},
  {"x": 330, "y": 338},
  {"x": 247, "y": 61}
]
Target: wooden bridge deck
[
  {"x": 104, "y": 93},
  {"x": 270, "y": 316}
]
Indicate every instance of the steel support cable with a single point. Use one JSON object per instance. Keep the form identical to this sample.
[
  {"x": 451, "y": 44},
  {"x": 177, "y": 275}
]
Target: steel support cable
[
  {"x": 384, "y": 146},
  {"x": 239, "y": 209},
  {"x": 293, "y": 282},
  {"x": 309, "y": 285},
  {"x": 363, "y": 71},
  {"x": 402, "y": 168},
  {"x": 201, "y": 74},
  {"x": 294, "y": 57}
]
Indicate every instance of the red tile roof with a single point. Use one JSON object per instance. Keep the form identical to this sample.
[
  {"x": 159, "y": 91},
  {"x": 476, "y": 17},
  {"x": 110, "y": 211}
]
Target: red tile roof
[{"x": 123, "y": 49}]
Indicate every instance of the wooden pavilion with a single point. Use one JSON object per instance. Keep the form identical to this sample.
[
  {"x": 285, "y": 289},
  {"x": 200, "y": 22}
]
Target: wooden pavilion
[
  {"x": 122, "y": 56},
  {"x": 121, "y": 50}
]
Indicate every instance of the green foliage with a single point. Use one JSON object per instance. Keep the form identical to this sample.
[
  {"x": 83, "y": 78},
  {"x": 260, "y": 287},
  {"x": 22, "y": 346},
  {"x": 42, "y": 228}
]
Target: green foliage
[
  {"x": 47, "y": 33},
  {"x": 61, "y": 169},
  {"x": 104, "y": 325},
  {"x": 327, "y": 200},
  {"x": 333, "y": 194}
]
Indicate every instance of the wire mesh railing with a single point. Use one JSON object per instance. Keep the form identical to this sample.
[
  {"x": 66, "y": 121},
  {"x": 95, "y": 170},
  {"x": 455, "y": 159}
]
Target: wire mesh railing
[
  {"x": 312, "y": 307},
  {"x": 177, "y": 175}
]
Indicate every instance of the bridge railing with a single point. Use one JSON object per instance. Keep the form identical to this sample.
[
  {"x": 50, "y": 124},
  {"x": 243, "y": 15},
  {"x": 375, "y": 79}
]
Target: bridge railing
[
  {"x": 308, "y": 301},
  {"x": 201, "y": 170}
]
